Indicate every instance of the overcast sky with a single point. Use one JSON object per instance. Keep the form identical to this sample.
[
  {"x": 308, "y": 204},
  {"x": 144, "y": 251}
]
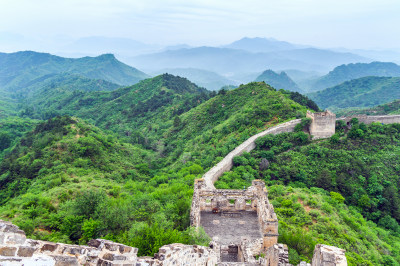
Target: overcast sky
[{"x": 323, "y": 23}]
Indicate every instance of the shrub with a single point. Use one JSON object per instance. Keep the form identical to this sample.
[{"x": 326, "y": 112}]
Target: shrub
[{"x": 337, "y": 197}]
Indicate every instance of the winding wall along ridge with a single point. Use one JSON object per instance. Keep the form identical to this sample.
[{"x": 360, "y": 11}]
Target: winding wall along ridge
[{"x": 226, "y": 164}]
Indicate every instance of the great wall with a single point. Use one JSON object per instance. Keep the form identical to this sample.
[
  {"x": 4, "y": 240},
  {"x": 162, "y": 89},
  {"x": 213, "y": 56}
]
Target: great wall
[{"x": 241, "y": 223}]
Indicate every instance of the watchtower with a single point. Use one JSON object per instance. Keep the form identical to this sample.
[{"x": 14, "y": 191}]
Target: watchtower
[{"x": 322, "y": 125}]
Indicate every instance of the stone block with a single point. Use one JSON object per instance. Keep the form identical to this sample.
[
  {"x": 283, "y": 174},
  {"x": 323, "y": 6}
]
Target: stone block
[
  {"x": 7, "y": 227},
  {"x": 113, "y": 257},
  {"x": 111, "y": 246},
  {"x": 124, "y": 249},
  {"x": 93, "y": 253},
  {"x": 65, "y": 261},
  {"x": 26, "y": 251},
  {"x": 106, "y": 263},
  {"x": 94, "y": 243},
  {"x": 15, "y": 238},
  {"x": 7, "y": 251},
  {"x": 49, "y": 247},
  {"x": 74, "y": 250},
  {"x": 32, "y": 243}
]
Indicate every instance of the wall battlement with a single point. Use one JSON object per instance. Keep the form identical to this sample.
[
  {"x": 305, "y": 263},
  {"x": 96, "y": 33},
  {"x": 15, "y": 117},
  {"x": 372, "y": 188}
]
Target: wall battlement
[{"x": 16, "y": 249}]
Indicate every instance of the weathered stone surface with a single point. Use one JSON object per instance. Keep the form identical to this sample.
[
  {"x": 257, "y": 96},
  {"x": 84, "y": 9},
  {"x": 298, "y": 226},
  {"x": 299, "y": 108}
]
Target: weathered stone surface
[
  {"x": 111, "y": 246},
  {"x": 322, "y": 125},
  {"x": 112, "y": 257},
  {"x": 15, "y": 238},
  {"x": 328, "y": 256},
  {"x": 25, "y": 251},
  {"x": 73, "y": 250},
  {"x": 94, "y": 243},
  {"x": 65, "y": 261},
  {"x": 7, "y": 251},
  {"x": 49, "y": 247},
  {"x": 124, "y": 249}
]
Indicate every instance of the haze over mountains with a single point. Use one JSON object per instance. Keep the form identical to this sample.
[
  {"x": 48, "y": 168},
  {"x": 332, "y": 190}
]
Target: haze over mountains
[{"x": 301, "y": 67}]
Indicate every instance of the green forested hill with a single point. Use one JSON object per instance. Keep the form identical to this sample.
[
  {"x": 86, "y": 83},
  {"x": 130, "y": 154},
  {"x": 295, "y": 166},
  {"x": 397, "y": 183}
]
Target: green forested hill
[
  {"x": 392, "y": 108},
  {"x": 12, "y": 128},
  {"x": 354, "y": 71},
  {"x": 349, "y": 176},
  {"x": 44, "y": 97},
  {"x": 278, "y": 81},
  {"x": 134, "y": 152},
  {"x": 18, "y": 70},
  {"x": 8, "y": 105},
  {"x": 153, "y": 114},
  {"x": 362, "y": 92},
  {"x": 151, "y": 101},
  {"x": 140, "y": 194}
]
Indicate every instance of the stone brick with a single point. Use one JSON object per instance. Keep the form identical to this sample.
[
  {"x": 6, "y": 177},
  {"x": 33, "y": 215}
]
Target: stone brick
[
  {"x": 25, "y": 251},
  {"x": 94, "y": 243},
  {"x": 49, "y": 247},
  {"x": 111, "y": 246},
  {"x": 93, "y": 253},
  {"x": 65, "y": 261},
  {"x": 74, "y": 250},
  {"x": 10, "y": 228},
  {"x": 32, "y": 243},
  {"x": 16, "y": 238},
  {"x": 104, "y": 263},
  {"x": 7, "y": 251},
  {"x": 124, "y": 249},
  {"x": 112, "y": 257}
]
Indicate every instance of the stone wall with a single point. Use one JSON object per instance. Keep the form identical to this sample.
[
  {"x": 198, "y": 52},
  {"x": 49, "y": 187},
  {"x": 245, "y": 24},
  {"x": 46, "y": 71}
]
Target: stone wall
[
  {"x": 322, "y": 125},
  {"x": 385, "y": 119},
  {"x": 15, "y": 249},
  {"x": 226, "y": 164}
]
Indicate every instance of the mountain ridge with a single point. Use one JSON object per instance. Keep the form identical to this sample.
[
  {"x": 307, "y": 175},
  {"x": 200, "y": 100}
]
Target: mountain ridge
[
  {"x": 18, "y": 69},
  {"x": 348, "y": 72},
  {"x": 278, "y": 81}
]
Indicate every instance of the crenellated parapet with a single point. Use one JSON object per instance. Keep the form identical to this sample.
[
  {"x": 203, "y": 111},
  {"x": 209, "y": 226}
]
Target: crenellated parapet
[{"x": 16, "y": 249}]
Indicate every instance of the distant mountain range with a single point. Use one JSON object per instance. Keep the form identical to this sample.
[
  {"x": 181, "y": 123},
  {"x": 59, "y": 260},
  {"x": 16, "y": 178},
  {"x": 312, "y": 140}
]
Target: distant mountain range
[
  {"x": 359, "y": 93},
  {"x": 18, "y": 70},
  {"x": 278, "y": 81},
  {"x": 227, "y": 61},
  {"x": 353, "y": 71},
  {"x": 262, "y": 45},
  {"x": 204, "y": 78}
]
